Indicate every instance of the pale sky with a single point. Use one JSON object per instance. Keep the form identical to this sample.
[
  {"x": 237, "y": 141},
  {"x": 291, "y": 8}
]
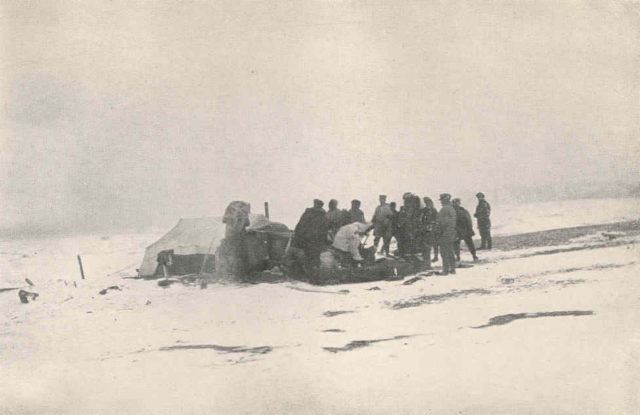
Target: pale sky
[{"x": 139, "y": 113}]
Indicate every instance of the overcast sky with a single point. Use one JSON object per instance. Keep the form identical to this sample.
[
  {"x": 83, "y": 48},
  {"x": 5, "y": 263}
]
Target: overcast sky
[{"x": 121, "y": 113}]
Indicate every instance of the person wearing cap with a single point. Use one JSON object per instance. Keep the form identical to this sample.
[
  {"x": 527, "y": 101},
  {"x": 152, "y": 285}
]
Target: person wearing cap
[
  {"x": 446, "y": 220},
  {"x": 428, "y": 216},
  {"x": 408, "y": 224},
  {"x": 310, "y": 234},
  {"x": 382, "y": 224},
  {"x": 464, "y": 230},
  {"x": 335, "y": 218},
  {"x": 483, "y": 214},
  {"x": 355, "y": 214}
]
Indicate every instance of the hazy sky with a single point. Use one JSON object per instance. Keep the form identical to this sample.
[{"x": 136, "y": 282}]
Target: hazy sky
[{"x": 121, "y": 113}]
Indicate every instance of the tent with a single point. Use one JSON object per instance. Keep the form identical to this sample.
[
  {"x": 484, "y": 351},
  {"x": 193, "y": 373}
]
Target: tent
[
  {"x": 194, "y": 238},
  {"x": 192, "y": 241}
]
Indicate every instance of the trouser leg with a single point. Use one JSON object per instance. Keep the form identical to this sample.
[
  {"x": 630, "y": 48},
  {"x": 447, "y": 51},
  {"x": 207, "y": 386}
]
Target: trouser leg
[
  {"x": 456, "y": 248},
  {"x": 386, "y": 241},
  {"x": 426, "y": 254},
  {"x": 448, "y": 256},
  {"x": 483, "y": 238},
  {"x": 470, "y": 246},
  {"x": 436, "y": 249},
  {"x": 489, "y": 239},
  {"x": 376, "y": 241}
]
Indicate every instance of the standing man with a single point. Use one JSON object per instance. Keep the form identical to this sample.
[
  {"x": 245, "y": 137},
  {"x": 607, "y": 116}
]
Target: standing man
[
  {"x": 446, "y": 220},
  {"x": 464, "y": 230},
  {"x": 355, "y": 214},
  {"x": 483, "y": 213},
  {"x": 382, "y": 224},
  {"x": 310, "y": 233},
  {"x": 335, "y": 218},
  {"x": 428, "y": 217}
]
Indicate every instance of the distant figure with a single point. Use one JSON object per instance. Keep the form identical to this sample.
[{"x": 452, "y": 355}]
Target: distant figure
[
  {"x": 428, "y": 217},
  {"x": 483, "y": 214},
  {"x": 394, "y": 220},
  {"x": 446, "y": 220},
  {"x": 464, "y": 230},
  {"x": 335, "y": 218},
  {"x": 408, "y": 222},
  {"x": 355, "y": 214},
  {"x": 382, "y": 224},
  {"x": 310, "y": 233},
  {"x": 349, "y": 239}
]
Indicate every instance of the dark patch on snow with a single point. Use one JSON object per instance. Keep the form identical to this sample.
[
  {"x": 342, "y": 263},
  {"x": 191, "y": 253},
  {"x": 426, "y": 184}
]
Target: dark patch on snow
[
  {"x": 508, "y": 318},
  {"x": 336, "y": 313},
  {"x": 411, "y": 281},
  {"x": 221, "y": 349},
  {"x": 437, "y": 298},
  {"x": 113, "y": 287},
  {"x": 374, "y": 288},
  {"x": 333, "y": 331},
  {"x": 356, "y": 344}
]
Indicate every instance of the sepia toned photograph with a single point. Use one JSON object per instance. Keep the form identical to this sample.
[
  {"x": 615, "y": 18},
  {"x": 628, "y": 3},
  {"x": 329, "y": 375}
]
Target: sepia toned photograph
[{"x": 320, "y": 207}]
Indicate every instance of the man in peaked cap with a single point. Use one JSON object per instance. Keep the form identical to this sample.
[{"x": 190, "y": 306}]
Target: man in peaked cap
[
  {"x": 355, "y": 213},
  {"x": 382, "y": 224},
  {"x": 446, "y": 220},
  {"x": 483, "y": 214}
]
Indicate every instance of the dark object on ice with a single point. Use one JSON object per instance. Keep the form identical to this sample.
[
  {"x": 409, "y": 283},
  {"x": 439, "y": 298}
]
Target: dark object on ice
[
  {"x": 166, "y": 282},
  {"x": 221, "y": 349},
  {"x": 336, "y": 313},
  {"x": 411, "y": 281},
  {"x": 508, "y": 318},
  {"x": 437, "y": 298},
  {"x": 113, "y": 287},
  {"x": 369, "y": 270},
  {"x": 374, "y": 288},
  {"x": 29, "y": 282},
  {"x": 333, "y": 331},
  {"x": 25, "y": 296},
  {"x": 356, "y": 344}
]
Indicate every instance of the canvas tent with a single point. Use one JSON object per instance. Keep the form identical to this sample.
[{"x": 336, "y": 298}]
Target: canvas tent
[
  {"x": 193, "y": 240},
  {"x": 195, "y": 237}
]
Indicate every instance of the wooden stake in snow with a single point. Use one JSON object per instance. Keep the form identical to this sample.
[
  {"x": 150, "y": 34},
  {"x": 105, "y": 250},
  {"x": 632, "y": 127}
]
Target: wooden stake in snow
[
  {"x": 81, "y": 270},
  {"x": 266, "y": 209}
]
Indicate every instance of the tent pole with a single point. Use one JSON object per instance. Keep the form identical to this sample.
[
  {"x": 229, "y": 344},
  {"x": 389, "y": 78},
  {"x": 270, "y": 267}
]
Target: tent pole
[{"x": 266, "y": 209}]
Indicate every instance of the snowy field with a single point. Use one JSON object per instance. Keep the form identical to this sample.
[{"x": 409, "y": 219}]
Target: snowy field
[{"x": 525, "y": 331}]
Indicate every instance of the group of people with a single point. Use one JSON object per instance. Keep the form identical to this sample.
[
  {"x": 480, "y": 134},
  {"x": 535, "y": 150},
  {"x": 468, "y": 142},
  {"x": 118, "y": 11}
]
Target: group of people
[{"x": 417, "y": 229}]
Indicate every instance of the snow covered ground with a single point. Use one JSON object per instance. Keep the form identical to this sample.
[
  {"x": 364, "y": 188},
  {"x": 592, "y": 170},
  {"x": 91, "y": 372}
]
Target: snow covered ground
[{"x": 527, "y": 331}]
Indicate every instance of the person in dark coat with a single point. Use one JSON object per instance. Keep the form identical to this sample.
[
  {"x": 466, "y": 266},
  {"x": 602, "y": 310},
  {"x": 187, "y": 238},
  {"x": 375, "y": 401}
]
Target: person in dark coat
[
  {"x": 310, "y": 233},
  {"x": 408, "y": 223},
  {"x": 464, "y": 230},
  {"x": 355, "y": 214},
  {"x": 483, "y": 214},
  {"x": 428, "y": 216},
  {"x": 446, "y": 220}
]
